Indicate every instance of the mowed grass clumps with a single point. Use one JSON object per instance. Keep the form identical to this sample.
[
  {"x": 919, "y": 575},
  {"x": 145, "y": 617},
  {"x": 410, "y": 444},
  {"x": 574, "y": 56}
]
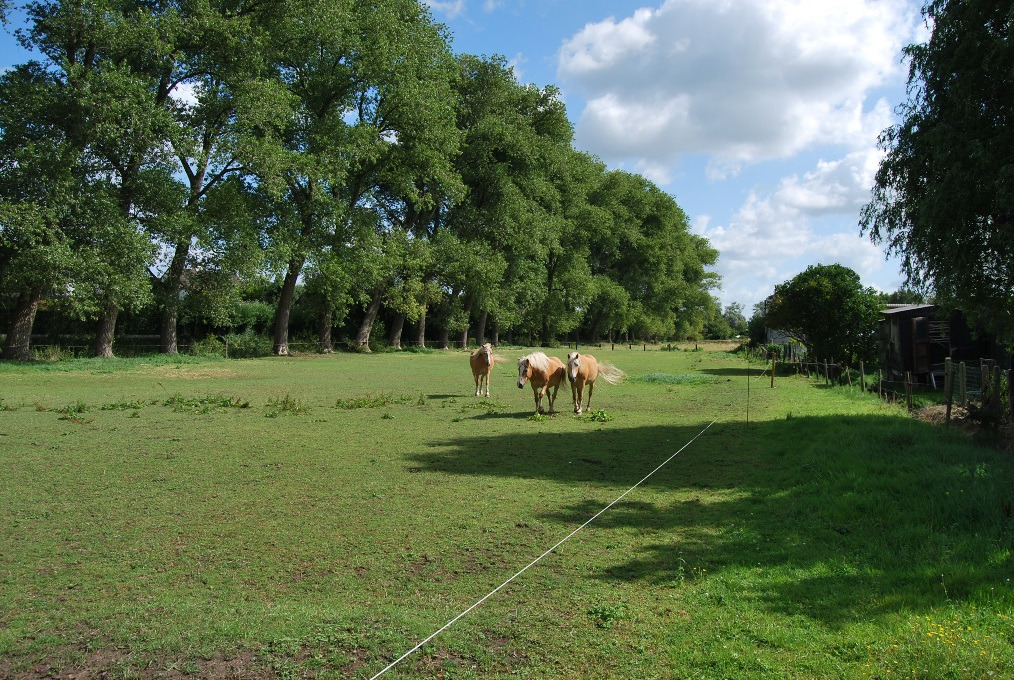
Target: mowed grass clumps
[{"x": 157, "y": 522}]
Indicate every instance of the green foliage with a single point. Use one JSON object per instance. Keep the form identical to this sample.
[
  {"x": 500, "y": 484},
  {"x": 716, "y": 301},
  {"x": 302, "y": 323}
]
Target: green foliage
[
  {"x": 827, "y": 309},
  {"x": 944, "y": 194}
]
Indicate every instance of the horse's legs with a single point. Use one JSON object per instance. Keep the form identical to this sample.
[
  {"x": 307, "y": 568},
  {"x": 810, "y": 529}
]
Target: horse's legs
[
  {"x": 552, "y": 397},
  {"x": 538, "y": 398},
  {"x": 591, "y": 386},
  {"x": 578, "y": 387},
  {"x": 478, "y": 379},
  {"x": 487, "y": 383}
]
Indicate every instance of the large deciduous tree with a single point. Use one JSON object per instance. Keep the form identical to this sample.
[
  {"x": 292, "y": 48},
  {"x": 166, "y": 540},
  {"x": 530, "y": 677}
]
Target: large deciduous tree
[
  {"x": 944, "y": 193},
  {"x": 365, "y": 97},
  {"x": 828, "y": 310}
]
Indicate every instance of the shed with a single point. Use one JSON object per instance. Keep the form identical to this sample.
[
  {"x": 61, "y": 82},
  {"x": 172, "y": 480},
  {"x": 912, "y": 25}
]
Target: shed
[{"x": 918, "y": 339}]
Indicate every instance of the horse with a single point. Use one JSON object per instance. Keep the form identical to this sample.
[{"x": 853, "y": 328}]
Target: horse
[
  {"x": 482, "y": 361},
  {"x": 583, "y": 369},
  {"x": 543, "y": 373}
]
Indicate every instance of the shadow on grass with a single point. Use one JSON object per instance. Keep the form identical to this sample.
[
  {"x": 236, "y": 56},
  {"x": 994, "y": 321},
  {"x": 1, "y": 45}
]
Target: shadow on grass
[{"x": 836, "y": 518}]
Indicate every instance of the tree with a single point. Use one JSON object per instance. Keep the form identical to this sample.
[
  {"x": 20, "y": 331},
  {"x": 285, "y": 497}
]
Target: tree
[
  {"x": 827, "y": 309},
  {"x": 944, "y": 193},
  {"x": 38, "y": 166},
  {"x": 361, "y": 100},
  {"x": 734, "y": 317}
]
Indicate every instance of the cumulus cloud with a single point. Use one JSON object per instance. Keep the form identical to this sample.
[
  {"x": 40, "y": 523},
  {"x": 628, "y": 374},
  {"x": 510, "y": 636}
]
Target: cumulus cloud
[
  {"x": 449, "y": 8},
  {"x": 775, "y": 235},
  {"x": 741, "y": 82}
]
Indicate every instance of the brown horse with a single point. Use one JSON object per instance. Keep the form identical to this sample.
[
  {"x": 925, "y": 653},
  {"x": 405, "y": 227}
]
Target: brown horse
[
  {"x": 482, "y": 361},
  {"x": 543, "y": 373},
  {"x": 583, "y": 369}
]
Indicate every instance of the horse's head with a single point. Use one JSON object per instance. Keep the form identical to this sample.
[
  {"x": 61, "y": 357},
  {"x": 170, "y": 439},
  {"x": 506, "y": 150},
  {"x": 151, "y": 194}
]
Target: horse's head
[
  {"x": 573, "y": 365},
  {"x": 487, "y": 349},
  {"x": 524, "y": 371}
]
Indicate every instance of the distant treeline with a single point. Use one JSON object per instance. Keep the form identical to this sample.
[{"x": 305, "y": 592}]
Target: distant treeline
[{"x": 196, "y": 168}]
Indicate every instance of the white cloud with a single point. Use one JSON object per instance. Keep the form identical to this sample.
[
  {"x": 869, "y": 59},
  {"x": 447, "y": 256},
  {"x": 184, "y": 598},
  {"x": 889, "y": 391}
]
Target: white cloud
[
  {"x": 450, "y": 8},
  {"x": 805, "y": 220},
  {"x": 741, "y": 82}
]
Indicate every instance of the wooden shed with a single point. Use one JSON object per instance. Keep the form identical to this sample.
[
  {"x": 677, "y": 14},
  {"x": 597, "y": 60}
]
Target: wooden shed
[{"x": 918, "y": 338}]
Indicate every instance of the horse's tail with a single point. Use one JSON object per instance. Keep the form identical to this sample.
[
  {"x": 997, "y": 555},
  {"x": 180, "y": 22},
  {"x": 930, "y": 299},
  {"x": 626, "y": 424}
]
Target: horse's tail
[
  {"x": 499, "y": 359},
  {"x": 610, "y": 373}
]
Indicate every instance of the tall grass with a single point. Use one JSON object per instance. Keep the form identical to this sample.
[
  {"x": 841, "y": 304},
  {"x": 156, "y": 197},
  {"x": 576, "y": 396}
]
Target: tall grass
[{"x": 157, "y": 522}]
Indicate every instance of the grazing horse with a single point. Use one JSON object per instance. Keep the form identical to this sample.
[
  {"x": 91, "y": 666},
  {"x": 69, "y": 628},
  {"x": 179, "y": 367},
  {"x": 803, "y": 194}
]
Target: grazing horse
[
  {"x": 482, "y": 361},
  {"x": 583, "y": 369},
  {"x": 542, "y": 372}
]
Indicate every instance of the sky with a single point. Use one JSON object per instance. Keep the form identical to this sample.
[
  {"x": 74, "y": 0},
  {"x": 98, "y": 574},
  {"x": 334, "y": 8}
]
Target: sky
[{"x": 760, "y": 117}]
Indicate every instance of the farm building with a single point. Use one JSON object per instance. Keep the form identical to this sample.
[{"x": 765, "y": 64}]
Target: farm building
[{"x": 918, "y": 338}]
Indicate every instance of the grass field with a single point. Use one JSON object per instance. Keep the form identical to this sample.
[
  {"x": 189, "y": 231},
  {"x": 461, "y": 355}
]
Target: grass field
[{"x": 318, "y": 516}]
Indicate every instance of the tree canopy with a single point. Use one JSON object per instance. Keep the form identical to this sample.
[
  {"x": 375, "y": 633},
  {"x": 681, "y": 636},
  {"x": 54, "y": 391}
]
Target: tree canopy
[
  {"x": 827, "y": 309},
  {"x": 201, "y": 162},
  {"x": 944, "y": 193}
]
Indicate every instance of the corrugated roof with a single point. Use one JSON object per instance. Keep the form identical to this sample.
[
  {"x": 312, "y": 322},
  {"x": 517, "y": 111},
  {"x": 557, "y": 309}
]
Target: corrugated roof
[{"x": 899, "y": 309}]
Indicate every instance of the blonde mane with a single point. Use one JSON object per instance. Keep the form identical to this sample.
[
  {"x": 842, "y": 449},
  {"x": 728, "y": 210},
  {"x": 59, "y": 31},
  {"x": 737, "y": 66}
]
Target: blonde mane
[{"x": 537, "y": 360}]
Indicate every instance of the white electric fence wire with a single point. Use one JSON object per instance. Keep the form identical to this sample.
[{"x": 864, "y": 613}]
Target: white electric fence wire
[{"x": 537, "y": 559}]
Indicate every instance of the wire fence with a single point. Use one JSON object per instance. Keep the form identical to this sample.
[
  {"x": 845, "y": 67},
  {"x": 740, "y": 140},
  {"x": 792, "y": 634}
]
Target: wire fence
[{"x": 983, "y": 389}]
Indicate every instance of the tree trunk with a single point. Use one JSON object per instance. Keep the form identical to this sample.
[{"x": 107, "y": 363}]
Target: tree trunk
[
  {"x": 366, "y": 327},
  {"x": 420, "y": 338},
  {"x": 445, "y": 337},
  {"x": 171, "y": 299},
  {"x": 480, "y": 328},
  {"x": 17, "y": 346},
  {"x": 596, "y": 329},
  {"x": 103, "y": 346},
  {"x": 284, "y": 310},
  {"x": 394, "y": 336},
  {"x": 324, "y": 329},
  {"x": 496, "y": 334},
  {"x": 464, "y": 333}
]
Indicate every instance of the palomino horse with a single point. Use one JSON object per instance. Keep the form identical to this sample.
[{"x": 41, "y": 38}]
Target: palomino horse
[
  {"x": 583, "y": 369},
  {"x": 482, "y": 361},
  {"x": 542, "y": 372}
]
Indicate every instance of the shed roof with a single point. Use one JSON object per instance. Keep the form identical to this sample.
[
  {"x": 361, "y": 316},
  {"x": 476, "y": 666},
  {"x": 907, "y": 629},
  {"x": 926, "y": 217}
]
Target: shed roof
[{"x": 907, "y": 309}]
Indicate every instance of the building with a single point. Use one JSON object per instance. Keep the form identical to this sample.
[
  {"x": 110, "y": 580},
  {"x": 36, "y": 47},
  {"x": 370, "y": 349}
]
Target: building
[{"x": 919, "y": 338}]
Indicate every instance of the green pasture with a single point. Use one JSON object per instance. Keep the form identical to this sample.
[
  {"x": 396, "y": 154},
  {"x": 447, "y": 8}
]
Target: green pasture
[{"x": 317, "y": 516}]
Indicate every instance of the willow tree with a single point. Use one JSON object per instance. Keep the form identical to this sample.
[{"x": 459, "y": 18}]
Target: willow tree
[{"x": 944, "y": 194}]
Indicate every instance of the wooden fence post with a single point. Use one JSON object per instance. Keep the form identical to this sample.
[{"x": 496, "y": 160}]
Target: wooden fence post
[
  {"x": 908, "y": 389},
  {"x": 772, "y": 369},
  {"x": 962, "y": 384},
  {"x": 880, "y": 384},
  {"x": 1010, "y": 394},
  {"x": 996, "y": 391},
  {"x": 862, "y": 376},
  {"x": 948, "y": 387}
]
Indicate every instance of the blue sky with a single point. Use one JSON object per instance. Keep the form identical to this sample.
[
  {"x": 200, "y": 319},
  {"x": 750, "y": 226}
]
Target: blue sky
[{"x": 759, "y": 116}]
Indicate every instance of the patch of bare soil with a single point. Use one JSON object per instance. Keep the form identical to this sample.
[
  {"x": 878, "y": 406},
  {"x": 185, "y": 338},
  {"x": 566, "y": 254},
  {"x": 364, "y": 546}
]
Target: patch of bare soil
[
  {"x": 1001, "y": 438},
  {"x": 114, "y": 663},
  {"x": 937, "y": 415}
]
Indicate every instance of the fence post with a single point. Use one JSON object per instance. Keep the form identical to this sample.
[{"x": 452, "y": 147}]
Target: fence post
[
  {"x": 880, "y": 384},
  {"x": 827, "y": 375},
  {"x": 962, "y": 384},
  {"x": 227, "y": 347},
  {"x": 848, "y": 373},
  {"x": 862, "y": 376},
  {"x": 908, "y": 389},
  {"x": 1010, "y": 394},
  {"x": 996, "y": 391},
  {"x": 772, "y": 369},
  {"x": 948, "y": 387}
]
